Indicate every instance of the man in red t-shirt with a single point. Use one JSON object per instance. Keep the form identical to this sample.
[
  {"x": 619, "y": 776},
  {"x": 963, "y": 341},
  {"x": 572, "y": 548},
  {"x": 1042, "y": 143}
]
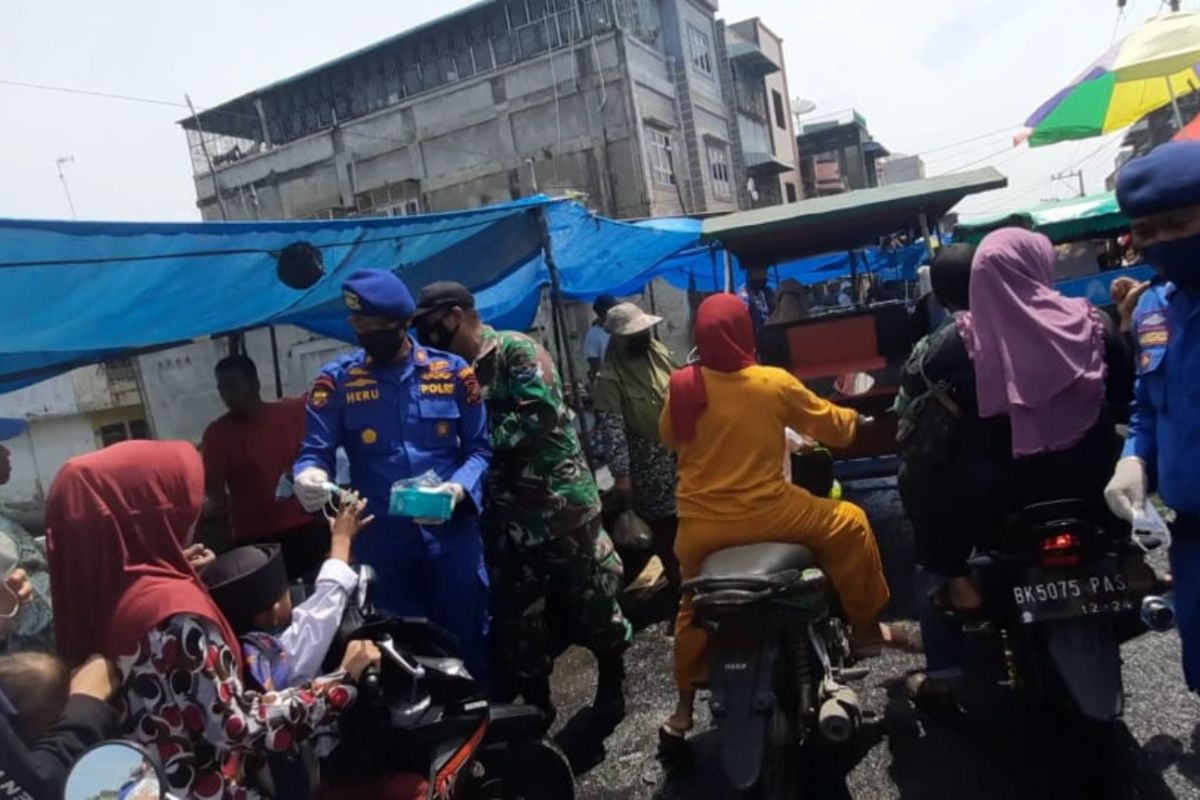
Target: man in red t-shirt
[{"x": 246, "y": 452}]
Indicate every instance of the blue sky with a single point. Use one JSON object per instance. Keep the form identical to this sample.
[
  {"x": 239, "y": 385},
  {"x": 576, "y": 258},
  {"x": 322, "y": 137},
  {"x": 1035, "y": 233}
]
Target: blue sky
[{"x": 925, "y": 74}]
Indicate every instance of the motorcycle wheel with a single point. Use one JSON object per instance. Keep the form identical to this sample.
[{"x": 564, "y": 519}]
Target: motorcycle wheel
[
  {"x": 781, "y": 759},
  {"x": 530, "y": 770}
]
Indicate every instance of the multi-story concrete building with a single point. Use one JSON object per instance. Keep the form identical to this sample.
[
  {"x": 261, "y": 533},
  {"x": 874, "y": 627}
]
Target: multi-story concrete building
[
  {"x": 757, "y": 96},
  {"x": 838, "y": 154},
  {"x": 899, "y": 168},
  {"x": 68, "y": 415},
  {"x": 621, "y": 100}
]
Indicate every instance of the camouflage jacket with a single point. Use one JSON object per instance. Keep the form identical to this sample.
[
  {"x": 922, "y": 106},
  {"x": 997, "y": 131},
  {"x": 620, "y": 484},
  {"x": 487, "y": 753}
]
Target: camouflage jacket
[{"x": 539, "y": 485}]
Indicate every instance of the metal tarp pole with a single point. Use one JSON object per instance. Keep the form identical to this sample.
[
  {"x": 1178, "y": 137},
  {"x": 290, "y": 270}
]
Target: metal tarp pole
[
  {"x": 558, "y": 308},
  {"x": 924, "y": 220},
  {"x": 275, "y": 363}
]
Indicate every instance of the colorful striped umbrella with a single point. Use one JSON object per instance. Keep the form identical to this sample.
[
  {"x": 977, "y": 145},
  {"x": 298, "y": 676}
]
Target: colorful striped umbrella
[{"x": 1143, "y": 72}]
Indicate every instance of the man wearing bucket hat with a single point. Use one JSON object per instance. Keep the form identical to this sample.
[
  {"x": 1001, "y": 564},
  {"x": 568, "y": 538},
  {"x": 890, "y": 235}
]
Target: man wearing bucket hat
[
  {"x": 21, "y": 556},
  {"x": 630, "y": 393},
  {"x": 555, "y": 573},
  {"x": 1160, "y": 193}
]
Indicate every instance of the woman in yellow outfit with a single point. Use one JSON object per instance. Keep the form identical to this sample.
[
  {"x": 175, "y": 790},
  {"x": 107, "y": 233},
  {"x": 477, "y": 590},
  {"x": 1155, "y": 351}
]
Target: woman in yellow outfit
[{"x": 725, "y": 417}]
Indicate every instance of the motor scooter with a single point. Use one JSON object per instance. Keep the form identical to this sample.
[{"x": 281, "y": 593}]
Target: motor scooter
[{"x": 422, "y": 727}]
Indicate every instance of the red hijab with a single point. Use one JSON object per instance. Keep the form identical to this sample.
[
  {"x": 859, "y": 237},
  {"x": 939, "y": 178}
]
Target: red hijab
[
  {"x": 725, "y": 342},
  {"x": 117, "y": 521}
]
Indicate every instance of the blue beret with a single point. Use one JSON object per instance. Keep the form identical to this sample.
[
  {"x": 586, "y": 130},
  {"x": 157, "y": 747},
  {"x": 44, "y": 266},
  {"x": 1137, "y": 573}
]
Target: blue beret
[
  {"x": 378, "y": 293},
  {"x": 1166, "y": 178}
]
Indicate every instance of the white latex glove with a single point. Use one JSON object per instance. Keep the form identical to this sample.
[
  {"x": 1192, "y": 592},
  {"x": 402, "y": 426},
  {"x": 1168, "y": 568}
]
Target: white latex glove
[
  {"x": 1126, "y": 491},
  {"x": 456, "y": 492},
  {"x": 312, "y": 488}
]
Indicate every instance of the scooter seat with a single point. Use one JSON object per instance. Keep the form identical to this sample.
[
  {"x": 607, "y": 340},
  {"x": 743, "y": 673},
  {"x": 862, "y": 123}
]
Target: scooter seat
[{"x": 764, "y": 560}]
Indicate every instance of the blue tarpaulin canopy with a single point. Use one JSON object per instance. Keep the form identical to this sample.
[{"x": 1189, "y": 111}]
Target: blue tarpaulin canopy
[{"x": 79, "y": 292}]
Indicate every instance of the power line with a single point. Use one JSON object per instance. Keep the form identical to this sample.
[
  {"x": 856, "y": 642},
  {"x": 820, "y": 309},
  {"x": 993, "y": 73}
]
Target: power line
[
  {"x": 1008, "y": 129},
  {"x": 978, "y": 148},
  {"x": 232, "y": 114}
]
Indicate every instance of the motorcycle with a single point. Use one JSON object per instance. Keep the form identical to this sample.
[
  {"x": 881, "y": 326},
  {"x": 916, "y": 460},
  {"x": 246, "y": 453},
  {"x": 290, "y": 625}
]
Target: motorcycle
[
  {"x": 779, "y": 660},
  {"x": 1061, "y": 591},
  {"x": 422, "y": 727}
]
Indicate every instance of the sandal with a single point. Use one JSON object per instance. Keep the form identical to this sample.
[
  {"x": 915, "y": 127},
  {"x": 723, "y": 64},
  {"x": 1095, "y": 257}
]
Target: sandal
[
  {"x": 901, "y": 636},
  {"x": 934, "y": 696},
  {"x": 939, "y": 600},
  {"x": 672, "y": 742}
]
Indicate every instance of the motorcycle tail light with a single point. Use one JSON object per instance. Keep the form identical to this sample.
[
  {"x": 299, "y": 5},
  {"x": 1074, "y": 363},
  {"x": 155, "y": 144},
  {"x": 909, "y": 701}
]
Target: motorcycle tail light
[{"x": 1060, "y": 550}]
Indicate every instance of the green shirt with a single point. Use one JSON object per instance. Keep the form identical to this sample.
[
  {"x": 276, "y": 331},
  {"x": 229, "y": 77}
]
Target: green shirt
[{"x": 539, "y": 485}]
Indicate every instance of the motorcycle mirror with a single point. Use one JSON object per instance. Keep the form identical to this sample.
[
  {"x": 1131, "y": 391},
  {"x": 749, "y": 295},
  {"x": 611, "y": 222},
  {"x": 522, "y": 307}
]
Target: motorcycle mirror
[
  {"x": 854, "y": 384},
  {"x": 117, "y": 769}
]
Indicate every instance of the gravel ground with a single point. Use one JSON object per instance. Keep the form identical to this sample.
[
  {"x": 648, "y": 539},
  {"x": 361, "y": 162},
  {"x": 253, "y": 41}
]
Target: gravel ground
[{"x": 1005, "y": 752}]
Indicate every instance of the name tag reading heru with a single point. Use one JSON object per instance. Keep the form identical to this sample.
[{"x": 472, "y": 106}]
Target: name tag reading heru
[{"x": 361, "y": 396}]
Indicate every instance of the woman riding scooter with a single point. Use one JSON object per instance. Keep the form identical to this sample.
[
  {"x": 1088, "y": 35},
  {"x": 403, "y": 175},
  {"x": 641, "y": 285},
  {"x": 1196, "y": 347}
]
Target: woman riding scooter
[
  {"x": 725, "y": 417},
  {"x": 1038, "y": 380}
]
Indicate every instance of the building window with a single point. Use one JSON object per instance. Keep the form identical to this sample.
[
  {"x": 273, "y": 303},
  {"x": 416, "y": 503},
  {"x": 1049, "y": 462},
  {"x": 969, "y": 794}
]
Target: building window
[
  {"x": 662, "y": 165},
  {"x": 780, "y": 117},
  {"x": 790, "y": 188},
  {"x": 122, "y": 431},
  {"x": 718, "y": 170},
  {"x": 701, "y": 51}
]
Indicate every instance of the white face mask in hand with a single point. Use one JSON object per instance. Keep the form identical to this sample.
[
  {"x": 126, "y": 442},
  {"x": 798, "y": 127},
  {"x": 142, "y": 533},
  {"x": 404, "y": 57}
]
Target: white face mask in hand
[{"x": 1148, "y": 523}]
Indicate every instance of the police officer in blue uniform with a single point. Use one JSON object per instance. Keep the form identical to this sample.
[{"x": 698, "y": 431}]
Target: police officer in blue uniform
[
  {"x": 1160, "y": 193},
  {"x": 400, "y": 409}
]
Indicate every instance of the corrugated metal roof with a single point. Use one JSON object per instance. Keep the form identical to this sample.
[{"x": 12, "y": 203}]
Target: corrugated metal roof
[{"x": 843, "y": 221}]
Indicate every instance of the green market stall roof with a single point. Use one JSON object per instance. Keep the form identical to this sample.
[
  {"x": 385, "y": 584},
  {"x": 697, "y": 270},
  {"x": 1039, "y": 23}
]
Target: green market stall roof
[
  {"x": 1063, "y": 221},
  {"x": 844, "y": 221}
]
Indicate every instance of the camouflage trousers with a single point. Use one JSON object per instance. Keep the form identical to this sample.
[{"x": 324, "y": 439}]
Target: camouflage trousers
[{"x": 548, "y": 596}]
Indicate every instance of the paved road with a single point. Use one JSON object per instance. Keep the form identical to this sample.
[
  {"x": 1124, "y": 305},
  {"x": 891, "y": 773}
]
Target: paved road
[{"x": 1009, "y": 753}]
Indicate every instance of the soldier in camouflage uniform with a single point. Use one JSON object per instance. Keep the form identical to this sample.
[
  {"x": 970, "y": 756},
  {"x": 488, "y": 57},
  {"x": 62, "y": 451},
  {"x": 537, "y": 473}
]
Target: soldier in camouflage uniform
[{"x": 555, "y": 572}]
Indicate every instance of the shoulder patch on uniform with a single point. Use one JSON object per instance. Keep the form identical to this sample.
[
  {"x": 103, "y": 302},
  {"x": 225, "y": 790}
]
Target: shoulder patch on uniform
[
  {"x": 470, "y": 383},
  {"x": 322, "y": 389}
]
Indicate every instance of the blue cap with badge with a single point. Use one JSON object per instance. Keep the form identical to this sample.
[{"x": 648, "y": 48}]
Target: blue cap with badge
[
  {"x": 1166, "y": 178},
  {"x": 378, "y": 293},
  {"x": 11, "y": 427}
]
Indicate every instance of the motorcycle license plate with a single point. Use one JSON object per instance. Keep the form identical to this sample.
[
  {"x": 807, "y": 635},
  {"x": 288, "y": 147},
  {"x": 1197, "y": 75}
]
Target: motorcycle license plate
[{"x": 1073, "y": 593}]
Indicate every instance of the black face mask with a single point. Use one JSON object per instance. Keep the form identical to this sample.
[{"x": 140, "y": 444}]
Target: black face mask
[
  {"x": 638, "y": 344},
  {"x": 383, "y": 345},
  {"x": 1178, "y": 260},
  {"x": 435, "y": 334}
]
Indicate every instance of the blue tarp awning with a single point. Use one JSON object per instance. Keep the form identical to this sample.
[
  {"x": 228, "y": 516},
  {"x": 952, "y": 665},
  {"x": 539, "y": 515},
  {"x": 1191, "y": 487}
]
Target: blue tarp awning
[{"x": 78, "y": 292}]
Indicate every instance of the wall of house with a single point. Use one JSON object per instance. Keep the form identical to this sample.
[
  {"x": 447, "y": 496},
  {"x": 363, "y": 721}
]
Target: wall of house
[{"x": 561, "y": 117}]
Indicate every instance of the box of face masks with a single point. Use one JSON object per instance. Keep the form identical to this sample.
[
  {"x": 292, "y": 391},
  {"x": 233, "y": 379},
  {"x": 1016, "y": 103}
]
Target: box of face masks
[{"x": 422, "y": 498}]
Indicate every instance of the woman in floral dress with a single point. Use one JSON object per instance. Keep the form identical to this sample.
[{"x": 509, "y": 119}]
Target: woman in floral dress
[{"x": 118, "y": 521}]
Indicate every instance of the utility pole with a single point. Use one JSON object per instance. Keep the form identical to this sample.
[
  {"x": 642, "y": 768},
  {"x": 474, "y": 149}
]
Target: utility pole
[
  {"x": 212, "y": 172},
  {"x": 58, "y": 162},
  {"x": 1067, "y": 175}
]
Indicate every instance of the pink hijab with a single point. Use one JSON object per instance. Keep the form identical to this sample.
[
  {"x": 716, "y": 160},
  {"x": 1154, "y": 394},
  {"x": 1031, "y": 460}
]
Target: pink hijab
[{"x": 1039, "y": 356}]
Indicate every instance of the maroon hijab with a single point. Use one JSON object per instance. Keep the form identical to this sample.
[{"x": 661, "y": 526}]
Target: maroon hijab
[
  {"x": 725, "y": 342},
  {"x": 117, "y": 522}
]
